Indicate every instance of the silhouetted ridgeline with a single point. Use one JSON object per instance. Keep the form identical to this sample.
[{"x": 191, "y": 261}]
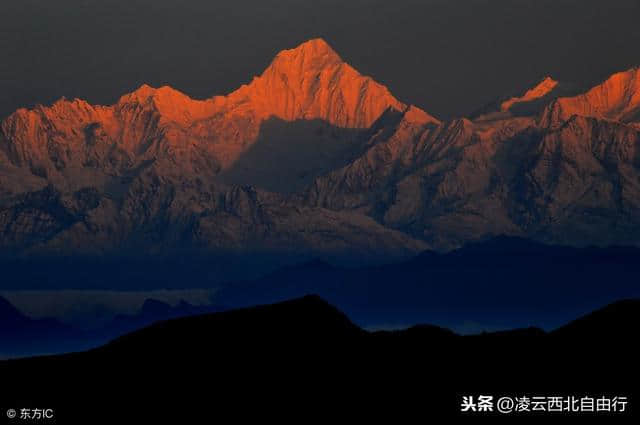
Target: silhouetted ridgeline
[{"x": 306, "y": 357}]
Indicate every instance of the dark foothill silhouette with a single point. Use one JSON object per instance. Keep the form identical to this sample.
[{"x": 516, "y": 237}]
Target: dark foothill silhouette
[{"x": 305, "y": 357}]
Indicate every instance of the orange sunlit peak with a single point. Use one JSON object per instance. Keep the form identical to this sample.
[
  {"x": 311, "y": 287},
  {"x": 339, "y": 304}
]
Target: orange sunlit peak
[
  {"x": 314, "y": 48},
  {"x": 543, "y": 88}
]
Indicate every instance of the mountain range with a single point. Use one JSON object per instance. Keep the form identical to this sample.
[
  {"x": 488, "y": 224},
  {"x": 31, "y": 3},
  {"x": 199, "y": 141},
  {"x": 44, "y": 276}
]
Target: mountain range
[{"x": 311, "y": 159}]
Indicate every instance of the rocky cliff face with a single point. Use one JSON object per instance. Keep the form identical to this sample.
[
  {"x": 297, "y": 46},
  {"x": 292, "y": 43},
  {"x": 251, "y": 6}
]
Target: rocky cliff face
[{"x": 361, "y": 175}]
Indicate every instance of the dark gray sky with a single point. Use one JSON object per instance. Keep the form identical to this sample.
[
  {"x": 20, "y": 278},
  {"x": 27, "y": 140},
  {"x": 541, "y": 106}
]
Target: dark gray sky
[{"x": 446, "y": 56}]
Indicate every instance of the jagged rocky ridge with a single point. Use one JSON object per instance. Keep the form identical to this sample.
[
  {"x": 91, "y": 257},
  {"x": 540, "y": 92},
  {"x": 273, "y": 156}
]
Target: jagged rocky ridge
[
  {"x": 157, "y": 171},
  {"x": 555, "y": 176}
]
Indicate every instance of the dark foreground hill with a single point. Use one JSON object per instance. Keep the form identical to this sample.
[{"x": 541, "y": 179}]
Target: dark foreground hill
[{"x": 304, "y": 360}]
